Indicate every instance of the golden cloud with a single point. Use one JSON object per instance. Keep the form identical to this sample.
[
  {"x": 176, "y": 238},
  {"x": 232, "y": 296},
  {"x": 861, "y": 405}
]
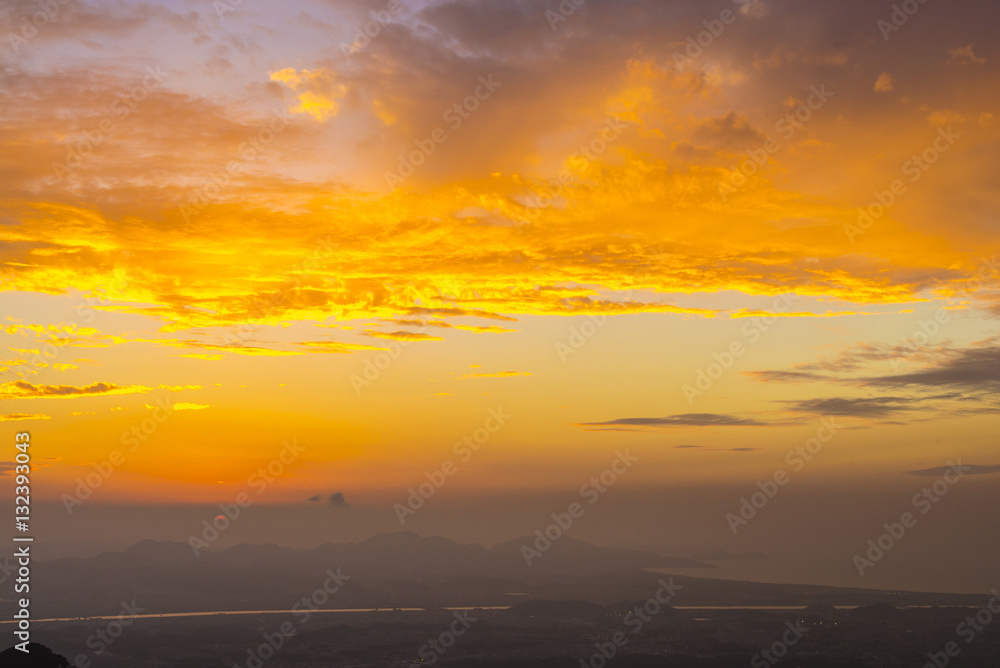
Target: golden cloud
[
  {"x": 322, "y": 94},
  {"x": 336, "y": 347},
  {"x": 24, "y": 416},
  {"x": 402, "y": 335},
  {"x": 24, "y": 390}
]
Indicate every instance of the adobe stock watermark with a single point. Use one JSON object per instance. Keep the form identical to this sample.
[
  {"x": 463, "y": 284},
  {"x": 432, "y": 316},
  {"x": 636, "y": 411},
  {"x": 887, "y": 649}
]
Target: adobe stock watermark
[
  {"x": 455, "y": 116},
  {"x": 48, "y": 352},
  {"x": 587, "y": 153},
  {"x": 260, "y": 308},
  {"x": 132, "y": 439},
  {"x": 436, "y": 647},
  {"x": 114, "y": 290},
  {"x": 259, "y": 480},
  {"x": 968, "y": 629},
  {"x": 565, "y": 10},
  {"x": 899, "y": 17},
  {"x": 223, "y": 7},
  {"x": 436, "y": 479},
  {"x": 706, "y": 377},
  {"x": 739, "y": 174},
  {"x": 794, "y": 632},
  {"x": 119, "y": 110},
  {"x": 592, "y": 491},
  {"x": 929, "y": 329},
  {"x": 99, "y": 641},
  {"x": 915, "y": 168},
  {"x": 924, "y": 501},
  {"x": 635, "y": 620},
  {"x": 695, "y": 45},
  {"x": 31, "y": 25},
  {"x": 923, "y": 335},
  {"x": 579, "y": 336},
  {"x": 363, "y": 35},
  {"x": 797, "y": 458},
  {"x": 248, "y": 151},
  {"x": 7, "y": 568},
  {"x": 306, "y": 606},
  {"x": 378, "y": 363}
]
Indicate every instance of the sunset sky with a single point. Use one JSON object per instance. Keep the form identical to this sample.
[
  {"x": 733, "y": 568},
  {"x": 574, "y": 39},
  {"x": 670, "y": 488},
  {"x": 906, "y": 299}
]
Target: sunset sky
[{"x": 627, "y": 225}]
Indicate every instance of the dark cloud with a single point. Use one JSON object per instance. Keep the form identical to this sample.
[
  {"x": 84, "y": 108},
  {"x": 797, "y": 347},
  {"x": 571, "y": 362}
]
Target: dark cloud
[
  {"x": 970, "y": 368},
  {"x": 24, "y": 390},
  {"x": 786, "y": 376},
  {"x": 491, "y": 26},
  {"x": 967, "y": 469},
  {"x": 730, "y": 132},
  {"x": 457, "y": 312},
  {"x": 682, "y": 420},
  {"x": 992, "y": 303},
  {"x": 855, "y": 407},
  {"x": 336, "y": 500},
  {"x": 705, "y": 449},
  {"x": 968, "y": 376},
  {"x": 856, "y": 358},
  {"x": 23, "y": 416}
]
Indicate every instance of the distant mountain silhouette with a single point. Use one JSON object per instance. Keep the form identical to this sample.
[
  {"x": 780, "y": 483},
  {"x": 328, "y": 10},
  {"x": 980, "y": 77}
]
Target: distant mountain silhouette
[
  {"x": 405, "y": 553},
  {"x": 160, "y": 550},
  {"x": 404, "y": 570},
  {"x": 571, "y": 554},
  {"x": 37, "y": 656}
]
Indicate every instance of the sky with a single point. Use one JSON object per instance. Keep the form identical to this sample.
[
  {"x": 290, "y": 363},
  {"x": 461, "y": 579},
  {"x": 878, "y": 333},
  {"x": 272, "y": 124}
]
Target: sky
[{"x": 373, "y": 245}]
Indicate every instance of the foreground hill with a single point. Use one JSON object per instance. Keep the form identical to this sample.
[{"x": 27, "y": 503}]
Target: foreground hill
[{"x": 37, "y": 656}]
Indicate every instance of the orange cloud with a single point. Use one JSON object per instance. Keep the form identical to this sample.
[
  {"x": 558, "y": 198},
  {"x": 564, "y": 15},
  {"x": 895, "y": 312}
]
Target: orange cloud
[
  {"x": 322, "y": 94},
  {"x": 24, "y": 390},
  {"x": 488, "y": 329},
  {"x": 186, "y": 406},
  {"x": 885, "y": 83},
  {"x": 235, "y": 349},
  {"x": 402, "y": 335},
  {"x": 336, "y": 347},
  {"x": 24, "y": 416},
  {"x": 964, "y": 55}
]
